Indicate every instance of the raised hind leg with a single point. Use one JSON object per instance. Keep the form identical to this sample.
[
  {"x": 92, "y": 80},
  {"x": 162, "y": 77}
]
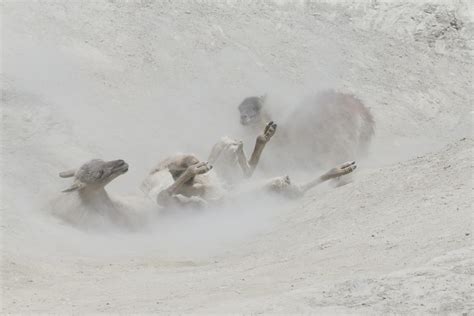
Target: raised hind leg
[
  {"x": 334, "y": 173},
  {"x": 283, "y": 185},
  {"x": 260, "y": 143}
]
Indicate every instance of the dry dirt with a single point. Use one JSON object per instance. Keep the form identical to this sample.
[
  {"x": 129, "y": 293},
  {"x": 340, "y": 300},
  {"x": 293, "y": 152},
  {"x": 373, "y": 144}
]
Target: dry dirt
[{"x": 139, "y": 80}]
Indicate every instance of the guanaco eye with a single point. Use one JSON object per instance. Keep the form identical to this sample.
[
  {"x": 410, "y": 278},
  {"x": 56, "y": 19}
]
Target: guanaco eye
[{"x": 100, "y": 174}]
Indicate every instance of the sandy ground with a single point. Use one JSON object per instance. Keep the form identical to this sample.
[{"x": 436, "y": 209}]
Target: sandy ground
[{"x": 139, "y": 80}]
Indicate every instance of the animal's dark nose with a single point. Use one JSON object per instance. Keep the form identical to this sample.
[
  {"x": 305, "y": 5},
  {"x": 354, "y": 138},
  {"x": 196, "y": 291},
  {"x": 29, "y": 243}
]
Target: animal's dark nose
[{"x": 120, "y": 162}]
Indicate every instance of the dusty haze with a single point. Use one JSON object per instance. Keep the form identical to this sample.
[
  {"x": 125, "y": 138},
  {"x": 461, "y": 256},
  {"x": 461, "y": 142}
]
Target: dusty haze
[{"x": 140, "y": 80}]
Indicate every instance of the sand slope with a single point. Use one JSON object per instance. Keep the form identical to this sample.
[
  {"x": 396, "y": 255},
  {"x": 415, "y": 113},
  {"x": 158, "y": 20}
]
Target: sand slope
[{"x": 141, "y": 80}]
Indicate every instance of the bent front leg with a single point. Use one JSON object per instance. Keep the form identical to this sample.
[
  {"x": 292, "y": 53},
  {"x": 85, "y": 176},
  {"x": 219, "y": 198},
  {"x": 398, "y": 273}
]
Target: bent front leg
[{"x": 169, "y": 195}]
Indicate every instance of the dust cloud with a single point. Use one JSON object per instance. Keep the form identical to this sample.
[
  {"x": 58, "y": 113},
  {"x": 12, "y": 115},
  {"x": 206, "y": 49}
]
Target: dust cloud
[{"x": 67, "y": 99}]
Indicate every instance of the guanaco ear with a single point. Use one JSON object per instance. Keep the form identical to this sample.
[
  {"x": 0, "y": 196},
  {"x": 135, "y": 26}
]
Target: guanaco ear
[
  {"x": 68, "y": 173},
  {"x": 77, "y": 185}
]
